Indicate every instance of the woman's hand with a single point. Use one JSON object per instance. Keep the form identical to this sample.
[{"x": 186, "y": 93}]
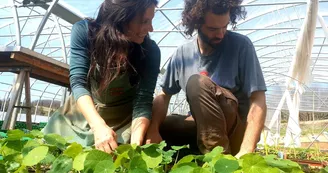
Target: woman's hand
[
  {"x": 139, "y": 128},
  {"x": 105, "y": 138}
]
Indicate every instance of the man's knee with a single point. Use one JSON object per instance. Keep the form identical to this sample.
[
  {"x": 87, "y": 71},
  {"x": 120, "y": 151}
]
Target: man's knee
[{"x": 198, "y": 83}]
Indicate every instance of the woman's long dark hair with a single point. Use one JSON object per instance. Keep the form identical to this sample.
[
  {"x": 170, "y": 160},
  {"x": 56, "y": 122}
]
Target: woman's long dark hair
[{"x": 109, "y": 47}]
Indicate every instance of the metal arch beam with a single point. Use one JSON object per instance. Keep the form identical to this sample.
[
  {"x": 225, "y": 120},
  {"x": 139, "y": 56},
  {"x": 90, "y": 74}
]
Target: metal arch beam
[
  {"x": 246, "y": 29},
  {"x": 65, "y": 12},
  {"x": 37, "y": 104},
  {"x": 60, "y": 33},
  {"x": 315, "y": 62},
  {"x": 283, "y": 61},
  {"x": 291, "y": 30},
  {"x": 43, "y": 22},
  {"x": 278, "y": 23},
  {"x": 289, "y": 5},
  {"x": 64, "y": 90},
  {"x": 277, "y": 51},
  {"x": 47, "y": 41},
  {"x": 173, "y": 24},
  {"x": 17, "y": 26},
  {"x": 52, "y": 101},
  {"x": 280, "y": 44},
  {"x": 50, "y": 19},
  {"x": 27, "y": 19},
  {"x": 250, "y": 5}
]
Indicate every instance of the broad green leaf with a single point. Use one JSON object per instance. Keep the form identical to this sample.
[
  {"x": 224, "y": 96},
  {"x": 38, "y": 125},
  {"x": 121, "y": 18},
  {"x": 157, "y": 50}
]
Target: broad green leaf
[
  {"x": 123, "y": 148},
  {"x": 201, "y": 170},
  {"x": 253, "y": 162},
  {"x": 30, "y": 145},
  {"x": 167, "y": 156},
  {"x": 225, "y": 165},
  {"x": 252, "y": 159},
  {"x": 325, "y": 170},
  {"x": 12, "y": 147},
  {"x": 15, "y": 135},
  {"x": 158, "y": 169},
  {"x": 49, "y": 159},
  {"x": 62, "y": 164},
  {"x": 120, "y": 160},
  {"x": 162, "y": 145},
  {"x": 229, "y": 157},
  {"x": 17, "y": 157},
  {"x": 159, "y": 146},
  {"x": 93, "y": 158},
  {"x": 185, "y": 168},
  {"x": 176, "y": 148},
  {"x": 273, "y": 161},
  {"x": 73, "y": 150},
  {"x": 137, "y": 163},
  {"x": 37, "y": 134},
  {"x": 149, "y": 145},
  {"x": 186, "y": 159},
  {"x": 214, "y": 153},
  {"x": 78, "y": 163},
  {"x": 35, "y": 156},
  {"x": 105, "y": 166},
  {"x": 138, "y": 170},
  {"x": 151, "y": 157},
  {"x": 55, "y": 139}
]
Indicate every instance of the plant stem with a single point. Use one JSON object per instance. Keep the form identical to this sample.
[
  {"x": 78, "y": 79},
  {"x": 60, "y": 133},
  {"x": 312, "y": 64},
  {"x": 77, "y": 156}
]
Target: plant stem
[
  {"x": 176, "y": 159},
  {"x": 38, "y": 168},
  {"x": 265, "y": 144}
]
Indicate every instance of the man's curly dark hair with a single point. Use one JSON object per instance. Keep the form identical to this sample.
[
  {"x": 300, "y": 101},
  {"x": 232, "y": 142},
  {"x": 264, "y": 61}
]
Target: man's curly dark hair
[{"x": 194, "y": 12}]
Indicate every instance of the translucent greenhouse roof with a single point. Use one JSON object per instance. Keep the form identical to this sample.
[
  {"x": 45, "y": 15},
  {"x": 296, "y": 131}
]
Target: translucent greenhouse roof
[{"x": 272, "y": 25}]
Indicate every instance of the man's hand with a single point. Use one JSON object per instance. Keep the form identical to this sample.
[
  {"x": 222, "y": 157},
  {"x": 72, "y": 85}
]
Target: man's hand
[
  {"x": 255, "y": 122},
  {"x": 139, "y": 128},
  {"x": 241, "y": 153},
  {"x": 153, "y": 135}
]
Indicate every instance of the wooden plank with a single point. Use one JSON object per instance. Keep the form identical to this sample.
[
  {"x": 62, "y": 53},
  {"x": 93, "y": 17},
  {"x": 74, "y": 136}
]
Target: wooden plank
[
  {"x": 22, "y": 50},
  {"x": 42, "y": 67},
  {"x": 50, "y": 77},
  {"x": 39, "y": 63}
]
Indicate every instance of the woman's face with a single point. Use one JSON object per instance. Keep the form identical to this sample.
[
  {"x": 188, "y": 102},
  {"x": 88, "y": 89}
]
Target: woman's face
[{"x": 140, "y": 26}]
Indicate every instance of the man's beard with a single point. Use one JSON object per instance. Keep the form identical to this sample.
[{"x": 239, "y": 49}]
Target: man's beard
[{"x": 208, "y": 41}]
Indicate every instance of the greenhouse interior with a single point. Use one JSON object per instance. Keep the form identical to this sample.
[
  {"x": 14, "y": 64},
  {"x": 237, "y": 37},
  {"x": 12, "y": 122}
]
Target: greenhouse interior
[{"x": 290, "y": 38}]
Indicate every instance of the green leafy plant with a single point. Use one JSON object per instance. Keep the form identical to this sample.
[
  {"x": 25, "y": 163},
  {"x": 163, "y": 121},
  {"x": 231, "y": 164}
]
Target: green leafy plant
[{"x": 35, "y": 152}]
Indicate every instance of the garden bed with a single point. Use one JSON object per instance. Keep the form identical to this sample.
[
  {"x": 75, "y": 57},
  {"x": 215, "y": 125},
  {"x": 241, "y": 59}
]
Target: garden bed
[{"x": 36, "y": 152}]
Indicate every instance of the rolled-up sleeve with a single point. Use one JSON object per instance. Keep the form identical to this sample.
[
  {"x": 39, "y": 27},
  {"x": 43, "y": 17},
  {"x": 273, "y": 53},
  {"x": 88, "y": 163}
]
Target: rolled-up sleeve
[
  {"x": 79, "y": 60},
  {"x": 143, "y": 102}
]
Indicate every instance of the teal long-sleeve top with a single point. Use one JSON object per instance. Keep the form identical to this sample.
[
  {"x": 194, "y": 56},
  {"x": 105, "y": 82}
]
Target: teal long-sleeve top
[{"x": 148, "y": 66}]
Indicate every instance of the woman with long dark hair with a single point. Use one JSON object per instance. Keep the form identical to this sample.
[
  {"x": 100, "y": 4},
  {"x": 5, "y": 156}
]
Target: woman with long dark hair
[{"x": 113, "y": 72}]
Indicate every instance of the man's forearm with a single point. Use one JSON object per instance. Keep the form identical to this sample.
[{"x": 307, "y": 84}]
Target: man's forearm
[
  {"x": 160, "y": 106},
  {"x": 254, "y": 126}
]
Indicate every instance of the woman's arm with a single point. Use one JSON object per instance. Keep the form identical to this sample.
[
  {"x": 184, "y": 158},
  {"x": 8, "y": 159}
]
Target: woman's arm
[
  {"x": 144, "y": 100},
  {"x": 105, "y": 137}
]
